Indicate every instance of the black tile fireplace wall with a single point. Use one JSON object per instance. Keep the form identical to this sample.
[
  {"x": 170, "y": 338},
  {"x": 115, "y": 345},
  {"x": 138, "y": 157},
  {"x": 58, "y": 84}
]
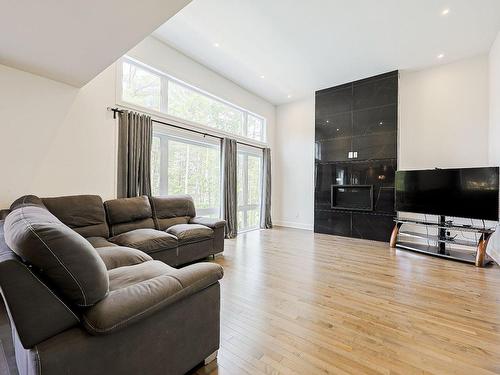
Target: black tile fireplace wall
[{"x": 356, "y": 144}]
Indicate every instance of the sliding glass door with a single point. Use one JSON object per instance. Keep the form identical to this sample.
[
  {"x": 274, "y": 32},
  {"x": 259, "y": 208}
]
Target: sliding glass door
[
  {"x": 249, "y": 187},
  {"x": 185, "y": 163}
]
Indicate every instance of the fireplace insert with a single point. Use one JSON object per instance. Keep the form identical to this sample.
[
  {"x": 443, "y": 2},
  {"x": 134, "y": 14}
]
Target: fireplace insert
[{"x": 352, "y": 197}]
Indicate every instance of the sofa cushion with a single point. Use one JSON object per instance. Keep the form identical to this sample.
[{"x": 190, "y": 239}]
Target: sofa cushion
[
  {"x": 188, "y": 233},
  {"x": 147, "y": 240},
  {"x": 126, "y": 214},
  {"x": 119, "y": 256},
  {"x": 100, "y": 242},
  {"x": 60, "y": 254},
  {"x": 138, "y": 291},
  {"x": 171, "y": 210},
  {"x": 27, "y": 200},
  {"x": 83, "y": 213},
  {"x": 208, "y": 222}
]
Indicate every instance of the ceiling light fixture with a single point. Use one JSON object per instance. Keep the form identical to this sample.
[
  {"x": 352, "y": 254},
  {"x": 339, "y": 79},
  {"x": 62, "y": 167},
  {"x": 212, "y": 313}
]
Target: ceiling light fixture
[
  {"x": 440, "y": 56},
  {"x": 262, "y": 77},
  {"x": 289, "y": 96},
  {"x": 216, "y": 45},
  {"x": 445, "y": 11}
]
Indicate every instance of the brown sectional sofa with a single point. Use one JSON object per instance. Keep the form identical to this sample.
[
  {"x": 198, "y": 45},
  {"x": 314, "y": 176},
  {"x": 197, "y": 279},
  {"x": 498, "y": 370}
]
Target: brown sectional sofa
[
  {"x": 166, "y": 228},
  {"x": 80, "y": 301}
]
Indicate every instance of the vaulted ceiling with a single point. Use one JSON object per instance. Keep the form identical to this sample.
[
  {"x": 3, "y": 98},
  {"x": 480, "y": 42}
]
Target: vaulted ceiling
[
  {"x": 286, "y": 49},
  {"x": 72, "y": 41}
]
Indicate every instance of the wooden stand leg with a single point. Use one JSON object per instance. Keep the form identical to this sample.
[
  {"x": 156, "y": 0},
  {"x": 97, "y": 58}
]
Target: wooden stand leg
[
  {"x": 394, "y": 235},
  {"x": 210, "y": 358},
  {"x": 481, "y": 250}
]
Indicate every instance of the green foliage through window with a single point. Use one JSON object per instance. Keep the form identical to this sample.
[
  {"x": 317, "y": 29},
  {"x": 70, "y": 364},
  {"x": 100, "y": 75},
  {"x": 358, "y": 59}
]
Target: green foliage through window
[{"x": 145, "y": 87}]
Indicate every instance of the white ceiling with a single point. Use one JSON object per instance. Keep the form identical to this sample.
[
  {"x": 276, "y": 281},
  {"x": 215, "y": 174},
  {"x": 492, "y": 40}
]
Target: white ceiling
[
  {"x": 302, "y": 46},
  {"x": 72, "y": 41}
]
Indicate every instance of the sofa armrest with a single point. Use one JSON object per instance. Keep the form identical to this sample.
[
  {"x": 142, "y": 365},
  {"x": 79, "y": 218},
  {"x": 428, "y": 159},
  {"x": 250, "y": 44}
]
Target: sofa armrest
[
  {"x": 36, "y": 312},
  {"x": 4, "y": 213},
  {"x": 161, "y": 286},
  {"x": 120, "y": 256},
  {"x": 208, "y": 222}
]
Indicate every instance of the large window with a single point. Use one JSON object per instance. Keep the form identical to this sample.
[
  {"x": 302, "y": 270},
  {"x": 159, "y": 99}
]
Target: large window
[
  {"x": 146, "y": 87},
  {"x": 187, "y": 164},
  {"x": 249, "y": 185}
]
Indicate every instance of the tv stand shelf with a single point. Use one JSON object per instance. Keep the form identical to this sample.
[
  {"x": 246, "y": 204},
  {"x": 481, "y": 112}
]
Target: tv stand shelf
[{"x": 436, "y": 244}]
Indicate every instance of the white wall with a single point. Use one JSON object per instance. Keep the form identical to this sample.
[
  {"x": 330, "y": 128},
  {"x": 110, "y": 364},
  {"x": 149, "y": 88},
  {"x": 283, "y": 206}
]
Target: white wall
[
  {"x": 443, "y": 116},
  {"x": 55, "y": 139},
  {"x": 59, "y": 140},
  {"x": 293, "y": 176},
  {"x": 494, "y": 141},
  {"x": 443, "y": 122}
]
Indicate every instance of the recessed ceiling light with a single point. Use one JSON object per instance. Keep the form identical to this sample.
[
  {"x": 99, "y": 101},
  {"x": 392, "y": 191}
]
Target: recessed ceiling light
[
  {"x": 445, "y": 11},
  {"x": 289, "y": 96},
  {"x": 440, "y": 56},
  {"x": 216, "y": 45},
  {"x": 262, "y": 77}
]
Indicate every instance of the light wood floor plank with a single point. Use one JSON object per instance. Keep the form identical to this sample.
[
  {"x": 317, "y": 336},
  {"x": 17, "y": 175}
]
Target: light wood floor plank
[{"x": 295, "y": 302}]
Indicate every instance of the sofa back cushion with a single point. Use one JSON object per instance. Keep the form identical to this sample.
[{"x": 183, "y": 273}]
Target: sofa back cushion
[
  {"x": 69, "y": 262},
  {"x": 83, "y": 213},
  {"x": 126, "y": 214},
  {"x": 172, "y": 210}
]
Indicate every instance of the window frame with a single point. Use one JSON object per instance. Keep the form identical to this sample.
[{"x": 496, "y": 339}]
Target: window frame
[
  {"x": 165, "y": 116},
  {"x": 165, "y": 134},
  {"x": 255, "y": 152}
]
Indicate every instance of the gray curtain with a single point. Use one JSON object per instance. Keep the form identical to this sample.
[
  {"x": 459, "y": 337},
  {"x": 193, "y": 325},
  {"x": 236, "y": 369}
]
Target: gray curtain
[
  {"x": 134, "y": 154},
  {"x": 229, "y": 193},
  {"x": 265, "y": 208}
]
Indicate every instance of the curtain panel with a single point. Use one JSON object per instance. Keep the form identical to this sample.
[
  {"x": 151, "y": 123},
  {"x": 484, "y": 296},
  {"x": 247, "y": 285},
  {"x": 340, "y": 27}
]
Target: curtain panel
[
  {"x": 135, "y": 132},
  {"x": 229, "y": 192}
]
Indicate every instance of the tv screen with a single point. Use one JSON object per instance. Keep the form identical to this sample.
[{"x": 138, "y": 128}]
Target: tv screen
[{"x": 465, "y": 192}]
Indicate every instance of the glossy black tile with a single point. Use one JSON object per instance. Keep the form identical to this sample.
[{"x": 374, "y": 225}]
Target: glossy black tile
[
  {"x": 372, "y": 227},
  {"x": 332, "y": 222},
  {"x": 336, "y": 149},
  {"x": 336, "y": 126},
  {"x": 329, "y": 103},
  {"x": 376, "y": 93},
  {"x": 375, "y": 146},
  {"x": 375, "y": 121}
]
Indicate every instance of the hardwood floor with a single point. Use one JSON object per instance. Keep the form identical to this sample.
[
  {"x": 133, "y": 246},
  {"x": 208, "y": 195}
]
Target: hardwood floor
[{"x": 294, "y": 302}]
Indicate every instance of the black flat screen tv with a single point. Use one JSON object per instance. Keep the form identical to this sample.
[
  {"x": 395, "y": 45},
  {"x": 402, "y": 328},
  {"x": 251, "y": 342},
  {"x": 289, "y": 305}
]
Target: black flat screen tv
[{"x": 464, "y": 192}]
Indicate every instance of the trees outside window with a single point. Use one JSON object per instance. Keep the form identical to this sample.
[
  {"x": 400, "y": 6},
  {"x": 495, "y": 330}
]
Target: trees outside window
[
  {"x": 187, "y": 166},
  {"x": 146, "y": 87},
  {"x": 249, "y": 187}
]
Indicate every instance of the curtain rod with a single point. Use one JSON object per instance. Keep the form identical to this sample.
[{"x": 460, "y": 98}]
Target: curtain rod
[{"x": 118, "y": 110}]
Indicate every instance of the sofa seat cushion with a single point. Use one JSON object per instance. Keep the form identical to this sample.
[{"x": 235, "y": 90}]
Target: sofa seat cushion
[
  {"x": 147, "y": 240},
  {"x": 140, "y": 290},
  {"x": 120, "y": 256},
  {"x": 208, "y": 222},
  {"x": 189, "y": 233},
  {"x": 100, "y": 242}
]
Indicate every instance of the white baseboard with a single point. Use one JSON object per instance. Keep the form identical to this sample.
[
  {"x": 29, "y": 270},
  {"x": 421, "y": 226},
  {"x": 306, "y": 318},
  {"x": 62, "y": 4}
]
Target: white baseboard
[{"x": 292, "y": 224}]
